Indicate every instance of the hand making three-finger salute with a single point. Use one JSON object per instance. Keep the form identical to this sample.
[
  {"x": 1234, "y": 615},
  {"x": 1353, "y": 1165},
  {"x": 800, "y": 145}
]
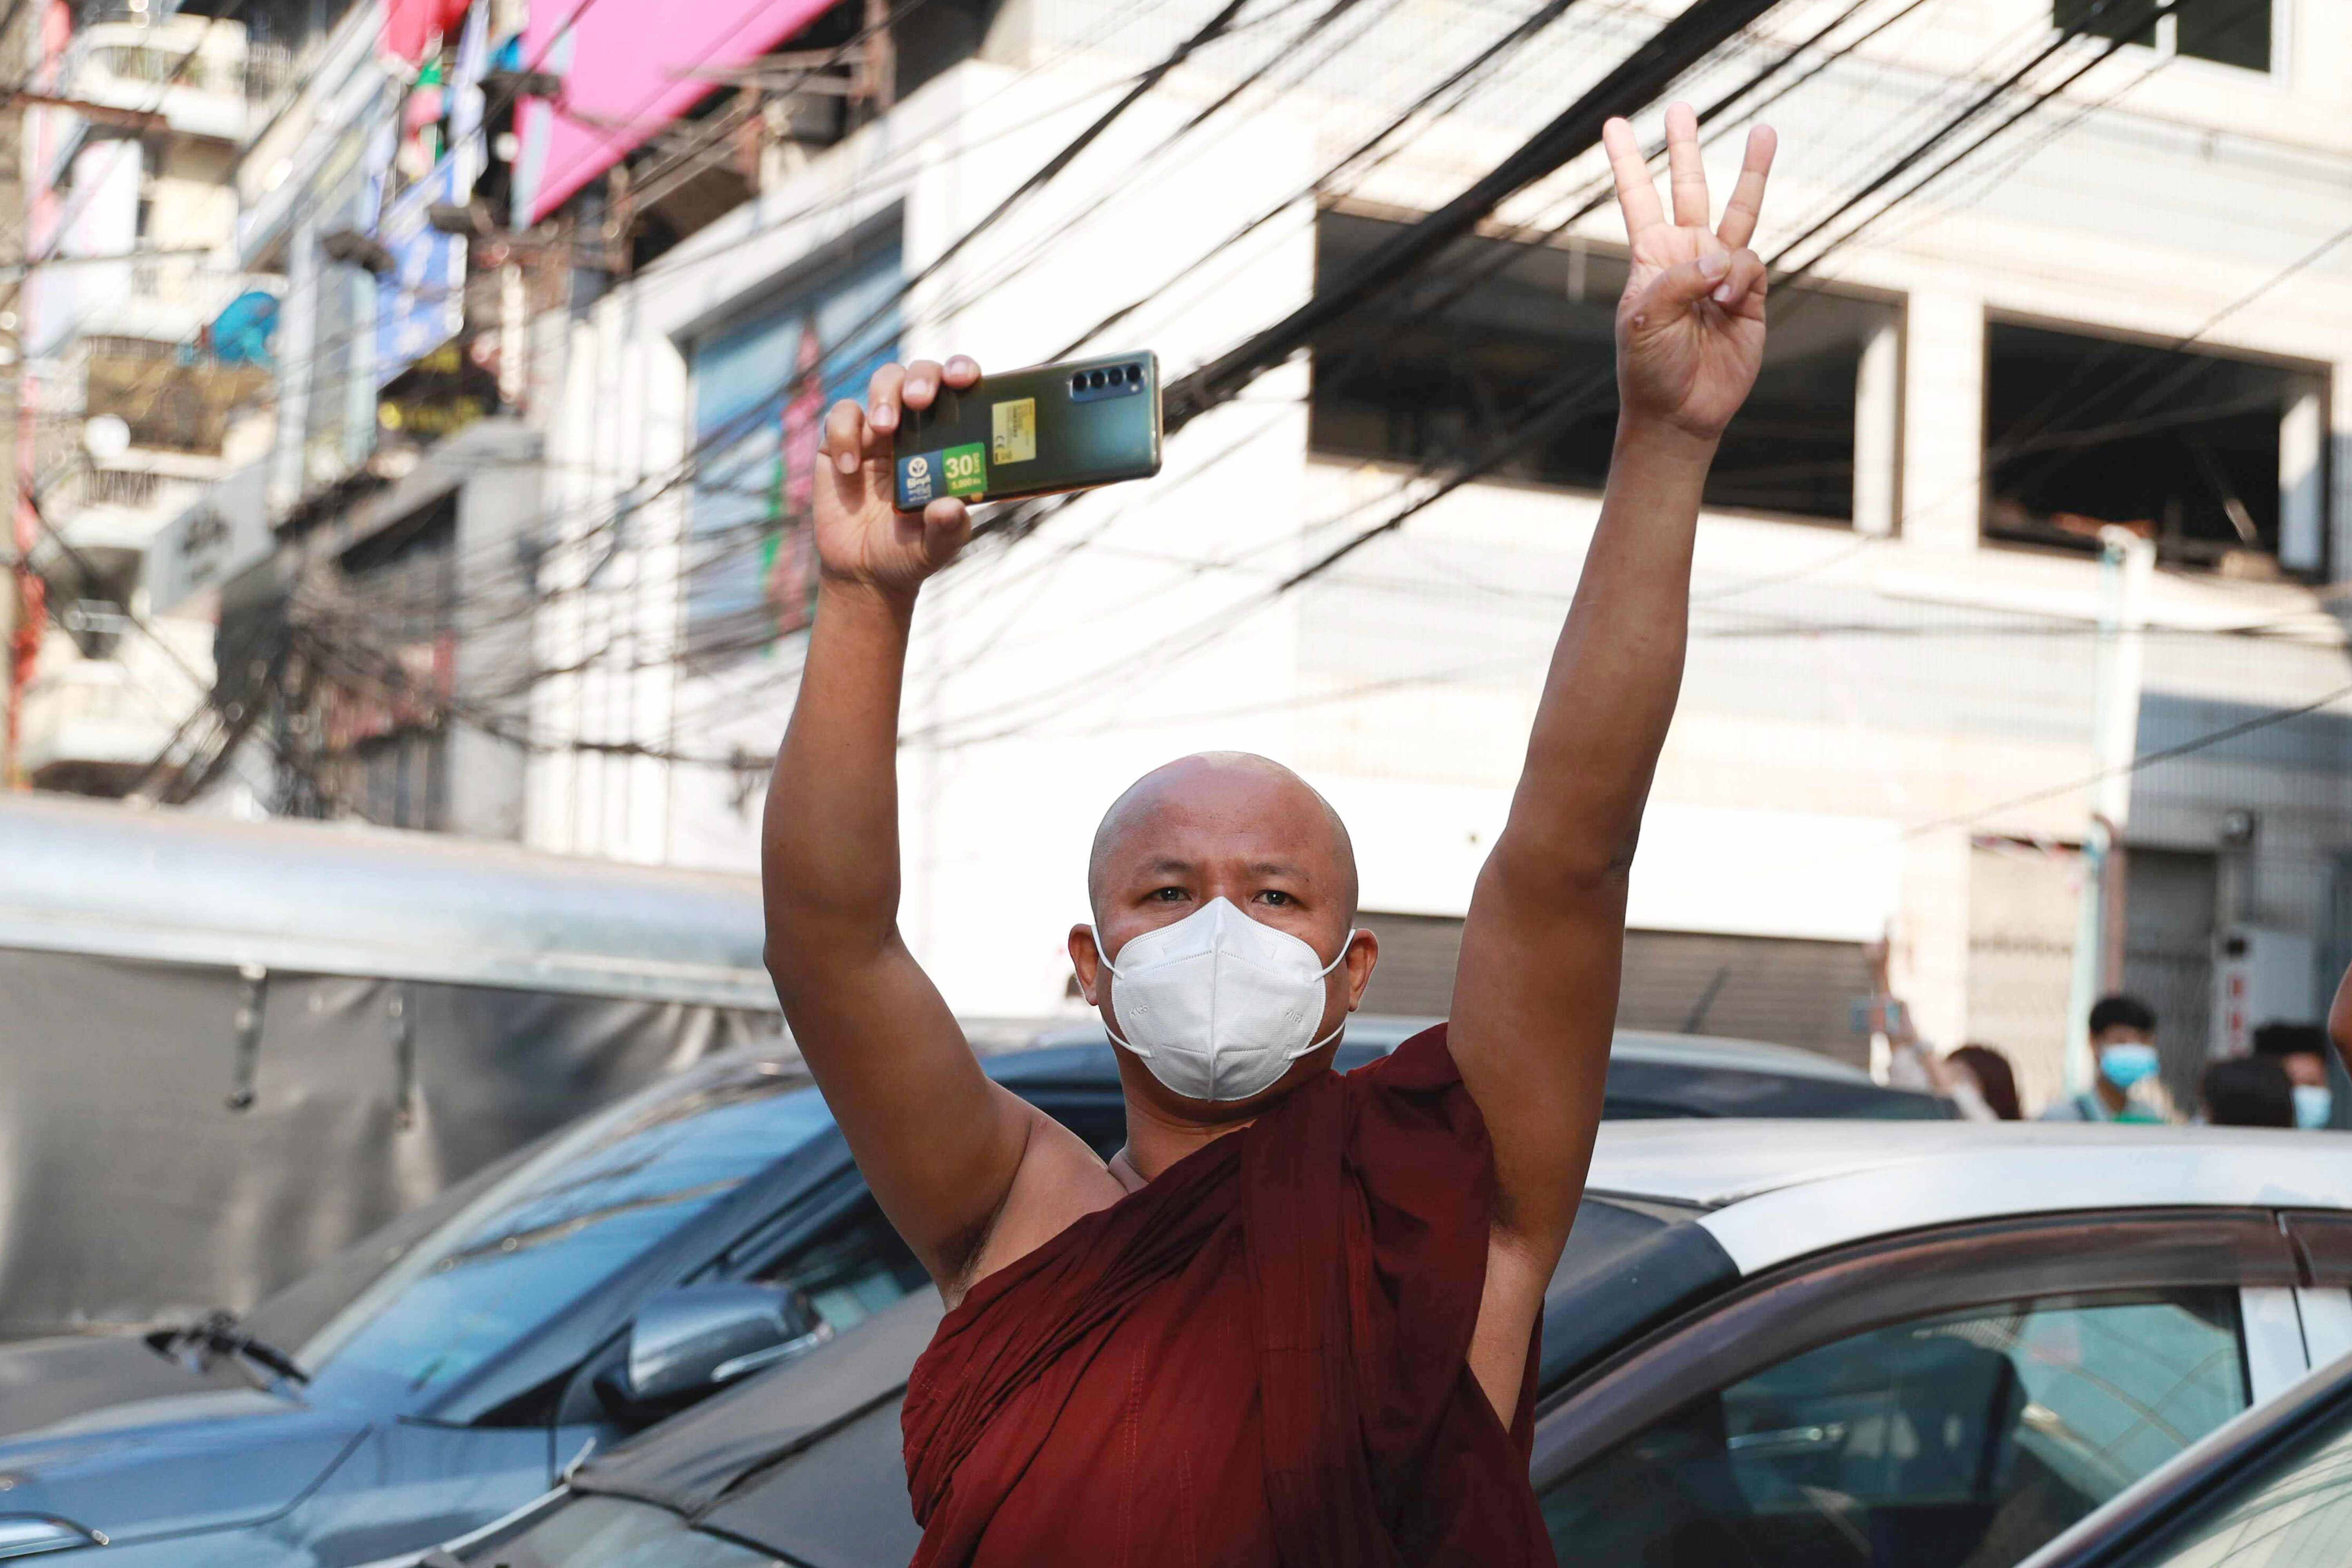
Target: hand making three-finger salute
[{"x": 1690, "y": 328}]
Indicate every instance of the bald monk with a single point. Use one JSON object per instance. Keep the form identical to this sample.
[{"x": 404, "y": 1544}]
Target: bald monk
[{"x": 1294, "y": 1321}]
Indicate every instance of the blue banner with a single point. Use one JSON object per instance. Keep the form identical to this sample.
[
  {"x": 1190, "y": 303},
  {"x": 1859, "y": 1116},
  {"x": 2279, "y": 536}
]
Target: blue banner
[{"x": 422, "y": 305}]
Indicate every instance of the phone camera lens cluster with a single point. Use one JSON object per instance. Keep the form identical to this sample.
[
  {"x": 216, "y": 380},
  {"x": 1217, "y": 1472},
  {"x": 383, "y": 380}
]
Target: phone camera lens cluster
[{"x": 1108, "y": 382}]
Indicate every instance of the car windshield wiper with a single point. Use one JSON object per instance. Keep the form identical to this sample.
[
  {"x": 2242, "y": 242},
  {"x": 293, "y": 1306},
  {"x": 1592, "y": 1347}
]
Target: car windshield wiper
[{"x": 219, "y": 1335}]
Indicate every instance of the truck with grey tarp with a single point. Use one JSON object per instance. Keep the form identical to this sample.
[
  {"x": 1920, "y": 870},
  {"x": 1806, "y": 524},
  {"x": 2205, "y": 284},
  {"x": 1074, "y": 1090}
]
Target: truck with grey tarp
[{"x": 228, "y": 1049}]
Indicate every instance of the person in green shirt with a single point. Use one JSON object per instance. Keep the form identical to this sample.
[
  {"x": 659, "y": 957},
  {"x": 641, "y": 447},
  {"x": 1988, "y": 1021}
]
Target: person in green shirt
[{"x": 2123, "y": 1041}]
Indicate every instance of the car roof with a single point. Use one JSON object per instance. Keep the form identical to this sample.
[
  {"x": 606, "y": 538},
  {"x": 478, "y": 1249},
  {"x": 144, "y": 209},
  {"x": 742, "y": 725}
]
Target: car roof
[
  {"x": 1779, "y": 1190},
  {"x": 1386, "y": 1031}
]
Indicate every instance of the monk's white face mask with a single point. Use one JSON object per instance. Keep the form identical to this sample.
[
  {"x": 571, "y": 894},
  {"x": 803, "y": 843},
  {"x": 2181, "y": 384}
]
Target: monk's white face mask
[{"x": 1218, "y": 1004}]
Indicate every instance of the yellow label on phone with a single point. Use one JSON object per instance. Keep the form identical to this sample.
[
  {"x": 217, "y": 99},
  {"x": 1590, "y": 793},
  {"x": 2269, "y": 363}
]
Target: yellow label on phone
[{"x": 1016, "y": 427}]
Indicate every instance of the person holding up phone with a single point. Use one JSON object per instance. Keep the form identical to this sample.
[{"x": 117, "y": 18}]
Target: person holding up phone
[{"x": 1295, "y": 1319}]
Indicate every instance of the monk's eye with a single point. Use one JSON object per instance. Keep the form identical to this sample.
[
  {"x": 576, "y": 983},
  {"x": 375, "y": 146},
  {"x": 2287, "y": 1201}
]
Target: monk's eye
[
  {"x": 1276, "y": 896},
  {"x": 1167, "y": 895}
]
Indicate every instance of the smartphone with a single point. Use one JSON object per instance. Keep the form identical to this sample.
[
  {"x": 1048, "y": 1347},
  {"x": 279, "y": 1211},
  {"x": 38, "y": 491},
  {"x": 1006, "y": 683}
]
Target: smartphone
[{"x": 1065, "y": 427}]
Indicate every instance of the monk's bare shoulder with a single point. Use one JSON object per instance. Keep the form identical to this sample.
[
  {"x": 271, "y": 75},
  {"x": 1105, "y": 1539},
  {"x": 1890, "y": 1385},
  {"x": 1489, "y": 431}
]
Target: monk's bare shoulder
[{"x": 1059, "y": 1181}]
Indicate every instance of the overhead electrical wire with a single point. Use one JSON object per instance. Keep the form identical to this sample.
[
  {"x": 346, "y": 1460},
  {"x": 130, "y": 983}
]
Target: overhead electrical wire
[
  {"x": 1904, "y": 194},
  {"x": 1735, "y": 97},
  {"x": 1567, "y": 395},
  {"x": 726, "y": 437}
]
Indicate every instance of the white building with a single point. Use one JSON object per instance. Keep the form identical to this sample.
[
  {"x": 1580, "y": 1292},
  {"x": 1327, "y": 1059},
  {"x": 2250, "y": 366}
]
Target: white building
[
  {"x": 1896, "y": 628},
  {"x": 127, "y": 207}
]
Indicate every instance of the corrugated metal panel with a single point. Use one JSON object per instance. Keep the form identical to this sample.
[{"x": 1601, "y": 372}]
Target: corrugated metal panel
[
  {"x": 2169, "y": 906},
  {"x": 1790, "y": 993},
  {"x": 1415, "y": 974},
  {"x": 2023, "y": 906}
]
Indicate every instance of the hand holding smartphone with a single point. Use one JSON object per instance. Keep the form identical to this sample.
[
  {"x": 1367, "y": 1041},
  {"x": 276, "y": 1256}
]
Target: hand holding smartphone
[{"x": 1032, "y": 432}]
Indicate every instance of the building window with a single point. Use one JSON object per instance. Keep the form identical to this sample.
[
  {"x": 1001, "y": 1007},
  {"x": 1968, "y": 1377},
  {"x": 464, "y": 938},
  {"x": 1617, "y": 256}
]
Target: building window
[
  {"x": 2227, "y": 32},
  {"x": 1438, "y": 370},
  {"x": 2219, "y": 460},
  {"x": 762, "y": 385}
]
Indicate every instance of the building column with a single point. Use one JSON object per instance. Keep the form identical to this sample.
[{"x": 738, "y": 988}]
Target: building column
[
  {"x": 1944, "y": 392},
  {"x": 2303, "y": 510},
  {"x": 1877, "y": 430}
]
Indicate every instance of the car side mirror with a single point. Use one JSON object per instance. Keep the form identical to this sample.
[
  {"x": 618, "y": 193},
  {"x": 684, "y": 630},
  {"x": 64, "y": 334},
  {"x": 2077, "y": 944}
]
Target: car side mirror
[{"x": 697, "y": 1338}]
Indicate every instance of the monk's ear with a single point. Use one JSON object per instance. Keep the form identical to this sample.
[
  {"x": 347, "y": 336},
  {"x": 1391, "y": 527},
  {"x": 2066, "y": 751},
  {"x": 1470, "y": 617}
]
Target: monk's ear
[
  {"x": 1087, "y": 962},
  {"x": 1363, "y": 952}
]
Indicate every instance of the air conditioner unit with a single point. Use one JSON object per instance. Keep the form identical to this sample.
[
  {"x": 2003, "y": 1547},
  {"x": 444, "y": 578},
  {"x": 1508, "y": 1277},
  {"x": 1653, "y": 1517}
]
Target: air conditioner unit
[{"x": 2260, "y": 975}]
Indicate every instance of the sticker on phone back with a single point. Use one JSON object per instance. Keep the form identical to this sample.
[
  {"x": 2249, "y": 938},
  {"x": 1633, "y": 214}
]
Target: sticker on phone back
[
  {"x": 1016, "y": 427},
  {"x": 957, "y": 471}
]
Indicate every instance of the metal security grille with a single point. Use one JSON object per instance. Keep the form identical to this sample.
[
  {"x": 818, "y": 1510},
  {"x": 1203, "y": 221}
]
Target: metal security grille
[
  {"x": 1780, "y": 989},
  {"x": 2169, "y": 955},
  {"x": 2024, "y": 901},
  {"x": 1783, "y": 990}
]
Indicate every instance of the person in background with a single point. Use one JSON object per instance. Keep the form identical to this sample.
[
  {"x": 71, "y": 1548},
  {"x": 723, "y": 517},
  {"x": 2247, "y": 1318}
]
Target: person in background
[
  {"x": 1977, "y": 1079},
  {"x": 2339, "y": 1017},
  {"x": 2301, "y": 1051},
  {"x": 1994, "y": 1079},
  {"x": 2123, "y": 1042},
  {"x": 2247, "y": 1091}
]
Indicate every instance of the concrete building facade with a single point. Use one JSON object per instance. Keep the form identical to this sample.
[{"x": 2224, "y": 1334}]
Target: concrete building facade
[
  {"x": 2050, "y": 293},
  {"x": 1888, "y": 715}
]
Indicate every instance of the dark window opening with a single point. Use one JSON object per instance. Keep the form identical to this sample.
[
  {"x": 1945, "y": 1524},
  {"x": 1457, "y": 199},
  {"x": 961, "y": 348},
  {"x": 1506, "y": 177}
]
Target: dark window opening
[
  {"x": 2228, "y": 32},
  {"x": 2231, "y": 32},
  {"x": 2103, "y": 18},
  {"x": 2216, "y": 459},
  {"x": 1441, "y": 369}
]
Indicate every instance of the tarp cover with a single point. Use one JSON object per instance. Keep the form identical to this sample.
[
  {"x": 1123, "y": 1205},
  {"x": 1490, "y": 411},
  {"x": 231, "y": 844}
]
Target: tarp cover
[{"x": 133, "y": 1188}]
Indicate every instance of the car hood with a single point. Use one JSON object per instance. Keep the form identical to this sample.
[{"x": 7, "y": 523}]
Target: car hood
[
  {"x": 43, "y": 1382},
  {"x": 169, "y": 1463}
]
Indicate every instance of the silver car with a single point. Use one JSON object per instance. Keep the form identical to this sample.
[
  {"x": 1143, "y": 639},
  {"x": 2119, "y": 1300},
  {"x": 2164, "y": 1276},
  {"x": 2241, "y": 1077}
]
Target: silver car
[{"x": 1770, "y": 1345}]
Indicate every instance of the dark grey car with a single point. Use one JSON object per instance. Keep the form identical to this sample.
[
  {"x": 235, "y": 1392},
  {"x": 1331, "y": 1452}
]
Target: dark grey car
[{"x": 585, "y": 1290}]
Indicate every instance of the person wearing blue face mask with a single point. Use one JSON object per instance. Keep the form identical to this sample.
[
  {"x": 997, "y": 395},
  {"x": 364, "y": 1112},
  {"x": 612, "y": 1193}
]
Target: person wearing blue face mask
[
  {"x": 2123, "y": 1041},
  {"x": 2301, "y": 1049}
]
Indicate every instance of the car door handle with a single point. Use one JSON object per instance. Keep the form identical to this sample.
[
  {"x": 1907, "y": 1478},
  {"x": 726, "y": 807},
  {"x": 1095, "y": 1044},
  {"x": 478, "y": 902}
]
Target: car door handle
[{"x": 1791, "y": 1439}]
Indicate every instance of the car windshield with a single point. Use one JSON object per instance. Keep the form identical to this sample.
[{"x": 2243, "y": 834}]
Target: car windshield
[
  {"x": 598, "y": 1198},
  {"x": 2293, "y": 1508},
  {"x": 607, "y": 1532}
]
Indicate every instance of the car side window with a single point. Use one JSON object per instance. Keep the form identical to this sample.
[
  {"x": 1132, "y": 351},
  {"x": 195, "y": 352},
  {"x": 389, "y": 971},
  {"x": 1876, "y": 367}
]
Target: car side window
[
  {"x": 851, "y": 1269},
  {"x": 2295, "y": 1509},
  {"x": 856, "y": 1264},
  {"x": 1965, "y": 1441}
]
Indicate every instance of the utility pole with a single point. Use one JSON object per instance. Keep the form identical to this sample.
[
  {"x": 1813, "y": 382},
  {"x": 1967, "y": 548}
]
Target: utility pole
[{"x": 2126, "y": 563}]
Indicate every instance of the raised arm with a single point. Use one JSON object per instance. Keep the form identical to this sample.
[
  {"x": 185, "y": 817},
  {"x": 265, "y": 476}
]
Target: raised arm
[
  {"x": 1536, "y": 992},
  {"x": 940, "y": 1143}
]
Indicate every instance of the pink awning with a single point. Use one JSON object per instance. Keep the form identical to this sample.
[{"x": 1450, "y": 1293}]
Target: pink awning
[{"x": 625, "y": 70}]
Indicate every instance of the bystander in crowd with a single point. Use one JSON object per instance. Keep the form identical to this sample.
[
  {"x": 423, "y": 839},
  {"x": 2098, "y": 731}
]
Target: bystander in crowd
[
  {"x": 2123, "y": 1044},
  {"x": 2247, "y": 1091},
  {"x": 1977, "y": 1079},
  {"x": 2300, "y": 1051}
]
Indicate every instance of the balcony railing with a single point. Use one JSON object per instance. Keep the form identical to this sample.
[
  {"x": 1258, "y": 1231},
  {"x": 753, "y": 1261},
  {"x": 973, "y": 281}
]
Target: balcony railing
[
  {"x": 95, "y": 724},
  {"x": 195, "y": 68}
]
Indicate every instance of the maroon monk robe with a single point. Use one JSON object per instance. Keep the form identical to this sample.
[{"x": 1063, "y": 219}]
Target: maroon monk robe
[{"x": 1257, "y": 1360}]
